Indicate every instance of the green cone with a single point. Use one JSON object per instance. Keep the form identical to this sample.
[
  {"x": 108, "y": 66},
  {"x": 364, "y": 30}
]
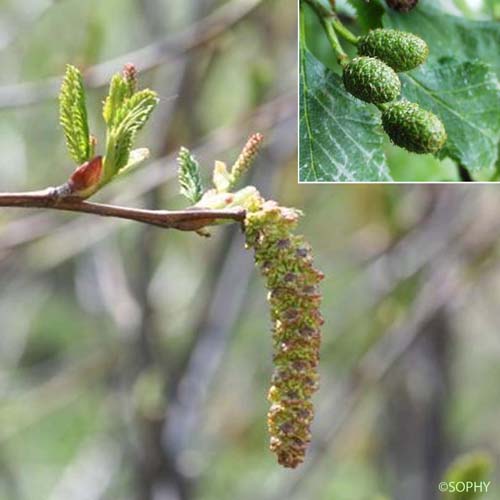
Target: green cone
[
  {"x": 371, "y": 80},
  {"x": 413, "y": 128},
  {"x": 402, "y": 51}
]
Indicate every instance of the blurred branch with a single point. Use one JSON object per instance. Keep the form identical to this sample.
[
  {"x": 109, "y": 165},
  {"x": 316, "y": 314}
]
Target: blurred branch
[
  {"x": 184, "y": 220},
  {"x": 449, "y": 214},
  {"x": 91, "y": 472},
  {"x": 61, "y": 389},
  {"x": 29, "y": 20},
  {"x": 149, "y": 57}
]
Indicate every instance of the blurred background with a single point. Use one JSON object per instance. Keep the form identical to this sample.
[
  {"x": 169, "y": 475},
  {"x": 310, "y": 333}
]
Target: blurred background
[{"x": 135, "y": 362}]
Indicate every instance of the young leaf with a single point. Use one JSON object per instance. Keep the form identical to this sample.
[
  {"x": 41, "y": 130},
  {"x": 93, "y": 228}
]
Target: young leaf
[
  {"x": 130, "y": 118},
  {"x": 73, "y": 115},
  {"x": 189, "y": 176},
  {"x": 118, "y": 91}
]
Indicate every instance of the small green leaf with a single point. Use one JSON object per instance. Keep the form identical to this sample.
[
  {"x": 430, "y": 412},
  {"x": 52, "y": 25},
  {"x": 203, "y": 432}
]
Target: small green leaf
[
  {"x": 189, "y": 176},
  {"x": 118, "y": 91},
  {"x": 130, "y": 118},
  {"x": 124, "y": 124},
  {"x": 73, "y": 115}
]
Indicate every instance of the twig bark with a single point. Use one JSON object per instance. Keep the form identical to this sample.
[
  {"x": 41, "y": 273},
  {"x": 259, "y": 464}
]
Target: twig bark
[{"x": 191, "y": 219}]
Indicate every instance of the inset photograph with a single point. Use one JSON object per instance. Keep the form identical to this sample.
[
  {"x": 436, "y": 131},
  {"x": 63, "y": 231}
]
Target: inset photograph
[{"x": 399, "y": 91}]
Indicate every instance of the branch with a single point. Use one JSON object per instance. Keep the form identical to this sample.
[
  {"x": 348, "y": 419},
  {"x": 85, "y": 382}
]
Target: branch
[{"x": 191, "y": 219}]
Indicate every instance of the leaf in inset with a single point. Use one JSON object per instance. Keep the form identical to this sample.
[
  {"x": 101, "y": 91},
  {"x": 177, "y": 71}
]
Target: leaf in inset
[
  {"x": 340, "y": 136},
  {"x": 466, "y": 96}
]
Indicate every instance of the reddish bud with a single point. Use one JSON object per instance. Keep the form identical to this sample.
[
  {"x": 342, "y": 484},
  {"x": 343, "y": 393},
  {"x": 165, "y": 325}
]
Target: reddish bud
[{"x": 86, "y": 177}]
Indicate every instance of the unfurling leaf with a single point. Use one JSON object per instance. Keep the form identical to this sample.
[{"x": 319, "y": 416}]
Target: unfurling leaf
[
  {"x": 130, "y": 118},
  {"x": 125, "y": 115},
  {"x": 118, "y": 90},
  {"x": 73, "y": 115},
  {"x": 189, "y": 176}
]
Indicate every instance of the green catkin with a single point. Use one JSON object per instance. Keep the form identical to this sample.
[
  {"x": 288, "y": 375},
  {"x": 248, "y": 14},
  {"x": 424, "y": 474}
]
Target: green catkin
[
  {"x": 413, "y": 128},
  {"x": 371, "y": 80},
  {"x": 401, "y": 50},
  {"x": 286, "y": 263},
  {"x": 246, "y": 157},
  {"x": 402, "y": 5}
]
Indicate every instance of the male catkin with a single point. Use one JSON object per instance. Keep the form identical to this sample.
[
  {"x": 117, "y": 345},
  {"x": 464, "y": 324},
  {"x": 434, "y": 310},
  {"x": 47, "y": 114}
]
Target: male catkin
[{"x": 286, "y": 263}]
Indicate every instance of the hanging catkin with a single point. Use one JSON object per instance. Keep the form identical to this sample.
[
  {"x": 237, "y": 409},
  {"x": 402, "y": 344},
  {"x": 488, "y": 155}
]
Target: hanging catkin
[{"x": 286, "y": 263}]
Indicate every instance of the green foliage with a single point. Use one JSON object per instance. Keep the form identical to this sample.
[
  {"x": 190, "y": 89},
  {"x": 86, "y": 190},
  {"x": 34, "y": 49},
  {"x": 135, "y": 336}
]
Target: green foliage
[
  {"x": 339, "y": 135},
  {"x": 470, "y": 468},
  {"x": 73, "y": 115},
  {"x": 401, "y": 50},
  {"x": 369, "y": 13},
  {"x": 413, "y": 128},
  {"x": 125, "y": 113},
  {"x": 466, "y": 97},
  {"x": 371, "y": 80},
  {"x": 189, "y": 176},
  {"x": 130, "y": 118},
  {"x": 118, "y": 90}
]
